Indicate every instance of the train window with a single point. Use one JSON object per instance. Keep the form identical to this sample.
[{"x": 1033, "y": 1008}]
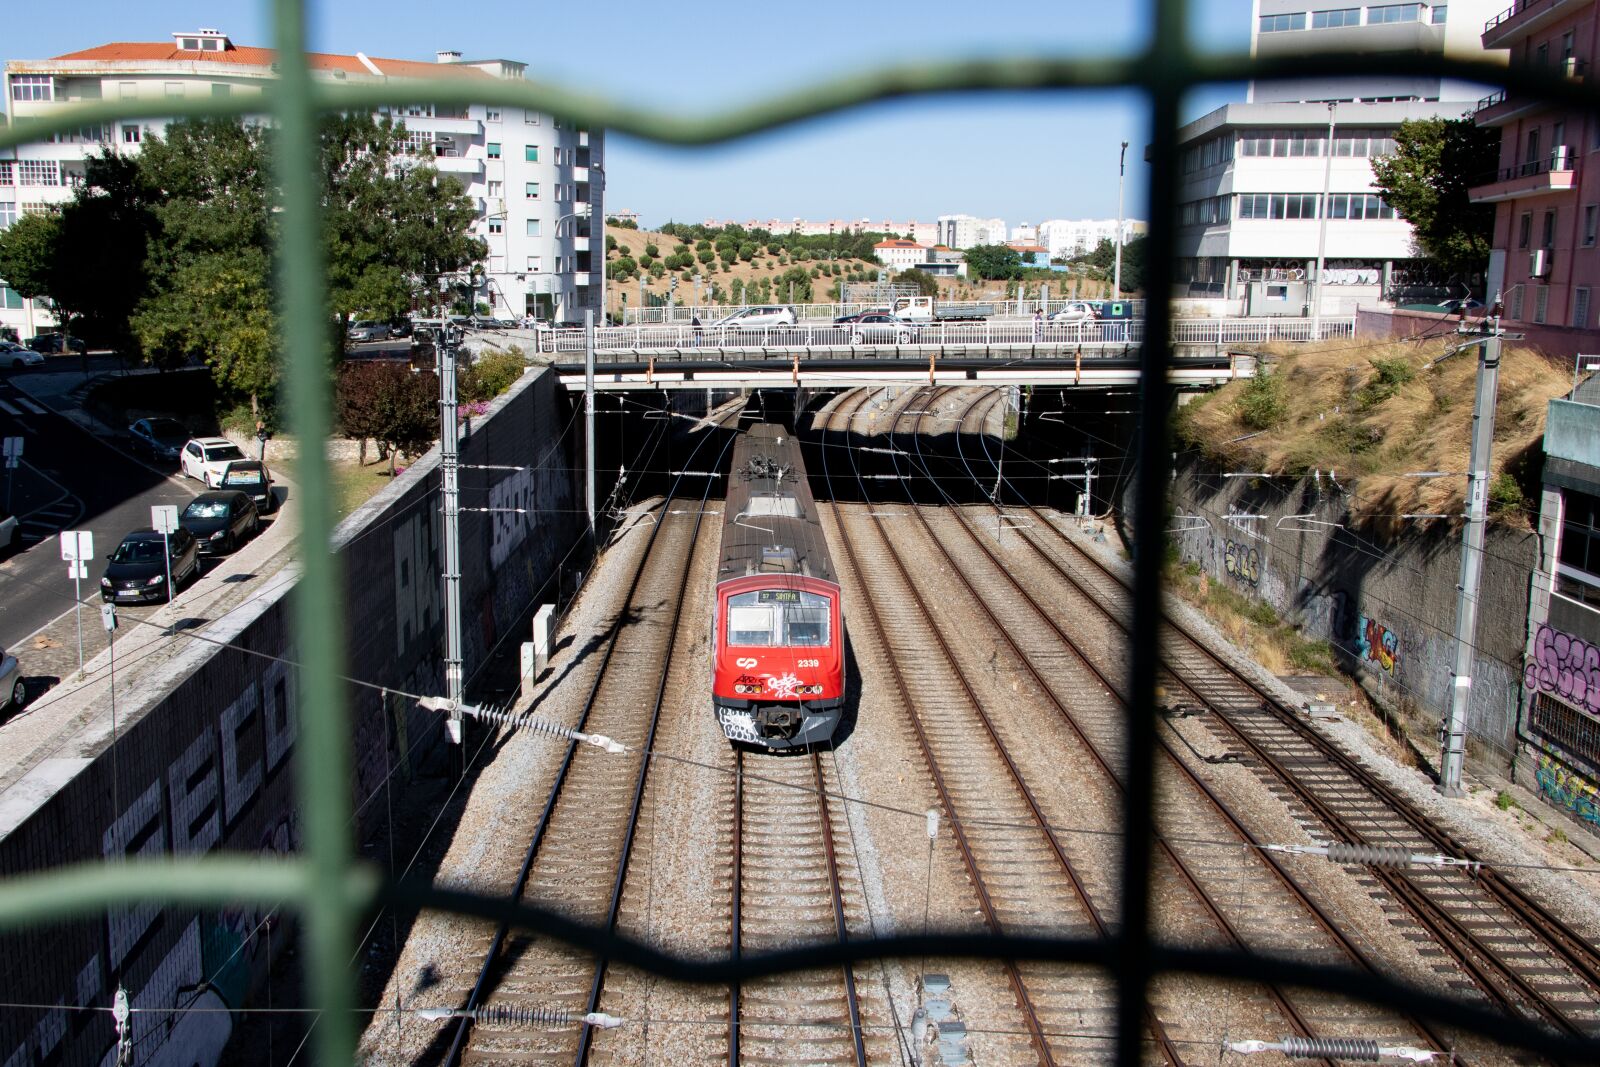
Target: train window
[{"x": 786, "y": 617}]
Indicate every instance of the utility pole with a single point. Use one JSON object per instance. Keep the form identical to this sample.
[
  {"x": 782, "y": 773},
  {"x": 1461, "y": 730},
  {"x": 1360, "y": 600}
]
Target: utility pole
[
  {"x": 1472, "y": 535},
  {"x": 1116, "y": 273},
  {"x": 450, "y": 474},
  {"x": 1322, "y": 231},
  {"x": 588, "y": 416}
]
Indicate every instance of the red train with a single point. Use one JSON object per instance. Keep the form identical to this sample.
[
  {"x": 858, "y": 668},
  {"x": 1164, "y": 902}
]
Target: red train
[{"x": 777, "y": 641}]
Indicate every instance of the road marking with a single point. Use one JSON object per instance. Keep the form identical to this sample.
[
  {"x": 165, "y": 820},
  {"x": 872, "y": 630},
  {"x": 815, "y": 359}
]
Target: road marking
[
  {"x": 30, "y": 405},
  {"x": 8, "y": 409}
]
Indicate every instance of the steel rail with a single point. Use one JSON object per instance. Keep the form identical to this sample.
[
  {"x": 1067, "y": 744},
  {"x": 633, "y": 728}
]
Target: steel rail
[
  {"x": 1464, "y": 946},
  {"x": 452, "y": 1056},
  {"x": 1318, "y": 914},
  {"x": 841, "y": 928}
]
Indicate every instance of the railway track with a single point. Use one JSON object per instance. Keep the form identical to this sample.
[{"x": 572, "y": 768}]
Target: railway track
[
  {"x": 578, "y": 856},
  {"x": 1495, "y": 938}
]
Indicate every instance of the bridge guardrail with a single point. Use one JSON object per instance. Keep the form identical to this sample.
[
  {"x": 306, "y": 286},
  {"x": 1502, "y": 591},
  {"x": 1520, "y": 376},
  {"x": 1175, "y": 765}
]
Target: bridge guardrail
[{"x": 842, "y": 336}]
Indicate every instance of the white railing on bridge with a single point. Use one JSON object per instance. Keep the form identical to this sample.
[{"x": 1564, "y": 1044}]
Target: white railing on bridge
[
  {"x": 708, "y": 314},
  {"x": 829, "y": 339}
]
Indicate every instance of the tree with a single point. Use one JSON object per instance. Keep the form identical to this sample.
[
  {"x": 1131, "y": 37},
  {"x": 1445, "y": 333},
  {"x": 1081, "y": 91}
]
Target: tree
[
  {"x": 389, "y": 403},
  {"x": 1426, "y": 182},
  {"x": 926, "y": 283},
  {"x": 994, "y": 261},
  {"x": 28, "y": 254}
]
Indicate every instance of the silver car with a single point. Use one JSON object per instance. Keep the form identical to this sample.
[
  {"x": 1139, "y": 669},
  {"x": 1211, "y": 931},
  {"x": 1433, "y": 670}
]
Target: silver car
[{"x": 12, "y": 691}]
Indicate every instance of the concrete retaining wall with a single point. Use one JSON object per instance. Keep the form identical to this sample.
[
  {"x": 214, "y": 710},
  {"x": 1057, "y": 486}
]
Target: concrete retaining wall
[
  {"x": 1388, "y": 606},
  {"x": 208, "y": 764}
]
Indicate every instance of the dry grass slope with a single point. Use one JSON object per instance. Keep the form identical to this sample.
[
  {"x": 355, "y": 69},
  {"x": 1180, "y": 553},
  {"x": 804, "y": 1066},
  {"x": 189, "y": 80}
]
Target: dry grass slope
[{"x": 1372, "y": 413}]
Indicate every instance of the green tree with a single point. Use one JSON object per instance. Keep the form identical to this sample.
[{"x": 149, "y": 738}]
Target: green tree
[
  {"x": 798, "y": 277},
  {"x": 28, "y": 254},
  {"x": 926, "y": 283},
  {"x": 705, "y": 255},
  {"x": 994, "y": 261},
  {"x": 651, "y": 251},
  {"x": 389, "y": 404},
  {"x": 1426, "y": 182}
]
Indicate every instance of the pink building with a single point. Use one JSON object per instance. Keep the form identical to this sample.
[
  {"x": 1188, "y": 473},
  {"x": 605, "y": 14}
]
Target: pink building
[{"x": 1546, "y": 191}]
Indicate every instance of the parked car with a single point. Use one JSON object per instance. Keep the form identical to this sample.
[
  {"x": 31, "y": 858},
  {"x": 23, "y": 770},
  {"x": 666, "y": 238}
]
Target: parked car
[
  {"x": 137, "y": 570},
  {"x": 253, "y": 479},
  {"x": 8, "y": 529},
  {"x": 12, "y": 690},
  {"x": 17, "y": 357},
  {"x": 53, "y": 343},
  {"x": 368, "y": 330},
  {"x": 876, "y": 327},
  {"x": 220, "y": 520},
  {"x": 770, "y": 315},
  {"x": 1076, "y": 311},
  {"x": 159, "y": 439},
  {"x": 205, "y": 458}
]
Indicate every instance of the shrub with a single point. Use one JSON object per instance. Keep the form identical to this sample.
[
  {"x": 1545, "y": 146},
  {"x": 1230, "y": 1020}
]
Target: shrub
[
  {"x": 1504, "y": 801},
  {"x": 1262, "y": 405},
  {"x": 1392, "y": 374},
  {"x": 491, "y": 374},
  {"x": 651, "y": 251},
  {"x": 1505, "y": 495},
  {"x": 611, "y": 243}
]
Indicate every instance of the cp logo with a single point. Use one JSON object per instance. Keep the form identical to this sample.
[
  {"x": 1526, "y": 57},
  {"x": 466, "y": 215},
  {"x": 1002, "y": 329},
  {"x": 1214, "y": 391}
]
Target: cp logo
[{"x": 745, "y": 662}]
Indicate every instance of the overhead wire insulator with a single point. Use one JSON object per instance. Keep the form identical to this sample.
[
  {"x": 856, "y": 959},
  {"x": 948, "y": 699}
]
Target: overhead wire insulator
[
  {"x": 1375, "y": 855},
  {"x": 1349, "y": 1049},
  {"x": 517, "y": 1015},
  {"x": 523, "y": 721}
]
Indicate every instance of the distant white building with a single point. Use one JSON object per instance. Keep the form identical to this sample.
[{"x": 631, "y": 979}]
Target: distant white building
[
  {"x": 536, "y": 181},
  {"x": 898, "y": 254},
  {"x": 1075, "y": 237},
  {"x": 1024, "y": 233},
  {"x": 965, "y": 231}
]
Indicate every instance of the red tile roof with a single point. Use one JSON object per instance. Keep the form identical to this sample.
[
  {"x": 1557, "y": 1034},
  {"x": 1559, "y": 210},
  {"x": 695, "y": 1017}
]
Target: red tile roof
[
  {"x": 166, "y": 52},
  {"x": 897, "y": 243}
]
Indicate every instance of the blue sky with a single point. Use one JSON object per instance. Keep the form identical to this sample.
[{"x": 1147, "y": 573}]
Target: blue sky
[{"x": 1022, "y": 157}]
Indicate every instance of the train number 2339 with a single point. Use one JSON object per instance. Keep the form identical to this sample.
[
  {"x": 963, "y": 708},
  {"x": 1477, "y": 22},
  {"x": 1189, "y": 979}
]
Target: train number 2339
[{"x": 808, "y": 663}]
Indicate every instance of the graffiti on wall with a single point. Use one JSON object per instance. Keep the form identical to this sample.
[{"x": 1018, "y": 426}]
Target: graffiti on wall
[
  {"x": 1565, "y": 666},
  {"x": 1566, "y": 789},
  {"x": 1242, "y": 561},
  {"x": 1376, "y": 643}
]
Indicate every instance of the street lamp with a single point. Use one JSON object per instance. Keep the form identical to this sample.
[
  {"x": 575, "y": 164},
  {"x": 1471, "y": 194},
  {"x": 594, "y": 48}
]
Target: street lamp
[
  {"x": 1322, "y": 230},
  {"x": 1116, "y": 275}
]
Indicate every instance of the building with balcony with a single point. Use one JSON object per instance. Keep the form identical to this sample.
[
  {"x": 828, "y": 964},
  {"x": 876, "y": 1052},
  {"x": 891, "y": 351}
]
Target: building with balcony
[
  {"x": 1271, "y": 185},
  {"x": 537, "y": 182},
  {"x": 1546, "y": 191},
  {"x": 1066, "y": 238}
]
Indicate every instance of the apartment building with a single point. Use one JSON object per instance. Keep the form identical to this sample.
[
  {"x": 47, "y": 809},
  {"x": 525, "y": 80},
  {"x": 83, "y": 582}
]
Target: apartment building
[
  {"x": 965, "y": 231},
  {"x": 1546, "y": 191},
  {"x": 898, "y": 254},
  {"x": 1075, "y": 237},
  {"x": 538, "y": 184},
  {"x": 1270, "y": 185}
]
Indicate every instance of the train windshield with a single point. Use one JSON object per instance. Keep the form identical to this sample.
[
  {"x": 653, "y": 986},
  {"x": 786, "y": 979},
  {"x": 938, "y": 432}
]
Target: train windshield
[{"x": 778, "y": 617}]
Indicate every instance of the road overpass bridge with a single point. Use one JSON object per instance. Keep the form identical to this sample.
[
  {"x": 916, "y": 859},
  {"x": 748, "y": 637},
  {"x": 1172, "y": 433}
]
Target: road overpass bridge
[{"x": 841, "y": 355}]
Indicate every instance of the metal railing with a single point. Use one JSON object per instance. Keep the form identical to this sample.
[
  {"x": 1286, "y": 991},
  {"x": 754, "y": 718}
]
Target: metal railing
[
  {"x": 709, "y": 314},
  {"x": 330, "y": 888}
]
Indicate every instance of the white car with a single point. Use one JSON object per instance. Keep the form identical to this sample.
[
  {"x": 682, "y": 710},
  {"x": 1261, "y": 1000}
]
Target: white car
[
  {"x": 1076, "y": 311},
  {"x": 205, "y": 458},
  {"x": 16, "y": 357},
  {"x": 759, "y": 316},
  {"x": 12, "y": 690}
]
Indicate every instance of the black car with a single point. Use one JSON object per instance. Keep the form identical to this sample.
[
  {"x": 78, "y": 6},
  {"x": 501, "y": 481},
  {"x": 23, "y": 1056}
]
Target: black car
[
  {"x": 138, "y": 569},
  {"x": 253, "y": 479},
  {"x": 220, "y": 520},
  {"x": 52, "y": 343},
  {"x": 159, "y": 439}
]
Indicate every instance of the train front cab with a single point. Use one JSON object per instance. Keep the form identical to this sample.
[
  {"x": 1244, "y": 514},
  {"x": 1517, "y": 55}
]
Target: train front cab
[{"x": 779, "y": 660}]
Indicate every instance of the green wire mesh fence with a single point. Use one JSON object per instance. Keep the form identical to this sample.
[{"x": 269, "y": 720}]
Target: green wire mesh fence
[{"x": 326, "y": 884}]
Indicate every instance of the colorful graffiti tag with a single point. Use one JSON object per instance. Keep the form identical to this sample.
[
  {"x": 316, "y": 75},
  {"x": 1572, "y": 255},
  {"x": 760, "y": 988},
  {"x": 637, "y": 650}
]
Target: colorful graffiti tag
[
  {"x": 1242, "y": 561},
  {"x": 1565, "y": 666},
  {"x": 1568, "y": 790},
  {"x": 1377, "y": 644}
]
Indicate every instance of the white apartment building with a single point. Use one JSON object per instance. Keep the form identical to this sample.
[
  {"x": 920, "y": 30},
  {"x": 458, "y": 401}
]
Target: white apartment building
[
  {"x": 1075, "y": 237},
  {"x": 898, "y": 254},
  {"x": 1254, "y": 175},
  {"x": 1024, "y": 233},
  {"x": 964, "y": 231},
  {"x": 538, "y": 184}
]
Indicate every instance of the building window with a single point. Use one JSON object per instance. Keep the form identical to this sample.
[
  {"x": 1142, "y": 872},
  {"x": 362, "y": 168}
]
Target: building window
[
  {"x": 497, "y": 225},
  {"x": 130, "y": 134},
  {"x": 1578, "y": 562},
  {"x": 533, "y": 228},
  {"x": 535, "y": 264},
  {"x": 33, "y": 87},
  {"x": 1516, "y": 300},
  {"x": 1438, "y": 13},
  {"x": 1541, "y": 304},
  {"x": 1580, "y": 308},
  {"x": 38, "y": 172},
  {"x": 1279, "y": 23},
  {"x": 531, "y": 190},
  {"x": 7, "y": 175},
  {"x": 174, "y": 90},
  {"x": 1377, "y": 16},
  {"x": 492, "y": 115},
  {"x": 1549, "y": 229},
  {"x": 1525, "y": 229},
  {"x": 492, "y": 149},
  {"x": 1329, "y": 20},
  {"x": 530, "y": 154},
  {"x": 8, "y": 213},
  {"x": 221, "y": 89},
  {"x": 531, "y": 118},
  {"x": 1541, "y": 55},
  {"x": 10, "y": 299},
  {"x": 1591, "y": 222},
  {"x": 1566, "y": 45},
  {"x": 128, "y": 90}
]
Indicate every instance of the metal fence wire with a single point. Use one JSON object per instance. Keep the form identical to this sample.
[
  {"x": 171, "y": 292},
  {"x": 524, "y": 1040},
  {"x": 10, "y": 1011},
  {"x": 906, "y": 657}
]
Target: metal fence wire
[{"x": 331, "y": 889}]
